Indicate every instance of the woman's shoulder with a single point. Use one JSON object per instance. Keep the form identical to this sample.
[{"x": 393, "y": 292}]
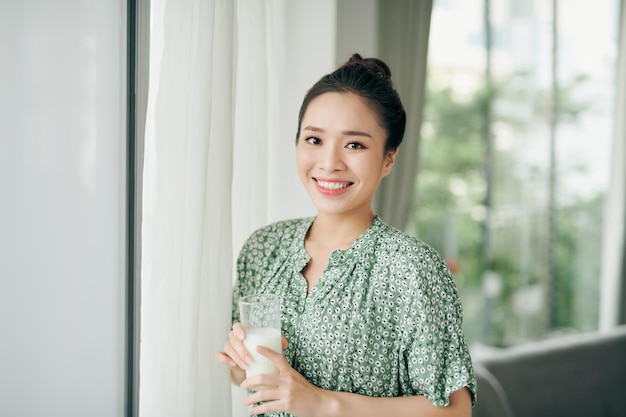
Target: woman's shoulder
[
  {"x": 284, "y": 227},
  {"x": 414, "y": 264},
  {"x": 394, "y": 241},
  {"x": 280, "y": 231},
  {"x": 409, "y": 257}
]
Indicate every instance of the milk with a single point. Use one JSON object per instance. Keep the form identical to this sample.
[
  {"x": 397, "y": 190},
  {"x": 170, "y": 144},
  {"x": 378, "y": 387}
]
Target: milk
[{"x": 262, "y": 336}]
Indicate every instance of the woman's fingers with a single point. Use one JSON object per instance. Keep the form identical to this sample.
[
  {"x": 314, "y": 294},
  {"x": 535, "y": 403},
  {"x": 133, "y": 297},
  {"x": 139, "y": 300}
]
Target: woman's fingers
[
  {"x": 224, "y": 359},
  {"x": 236, "y": 338},
  {"x": 239, "y": 331},
  {"x": 268, "y": 379},
  {"x": 260, "y": 383},
  {"x": 235, "y": 347},
  {"x": 260, "y": 380},
  {"x": 268, "y": 393},
  {"x": 277, "y": 359},
  {"x": 235, "y": 353},
  {"x": 286, "y": 391}
]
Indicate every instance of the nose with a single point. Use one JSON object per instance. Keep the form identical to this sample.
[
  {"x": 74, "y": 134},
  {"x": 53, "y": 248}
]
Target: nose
[{"x": 332, "y": 158}]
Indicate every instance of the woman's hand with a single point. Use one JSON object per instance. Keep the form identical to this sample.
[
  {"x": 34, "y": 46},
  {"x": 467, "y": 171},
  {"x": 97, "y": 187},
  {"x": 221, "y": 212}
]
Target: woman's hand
[
  {"x": 287, "y": 391},
  {"x": 235, "y": 354}
]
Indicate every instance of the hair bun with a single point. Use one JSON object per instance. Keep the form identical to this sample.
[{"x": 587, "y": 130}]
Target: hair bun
[{"x": 374, "y": 64}]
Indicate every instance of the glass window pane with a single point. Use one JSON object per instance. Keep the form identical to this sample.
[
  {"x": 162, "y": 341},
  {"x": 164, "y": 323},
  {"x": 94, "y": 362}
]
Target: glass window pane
[{"x": 514, "y": 160}]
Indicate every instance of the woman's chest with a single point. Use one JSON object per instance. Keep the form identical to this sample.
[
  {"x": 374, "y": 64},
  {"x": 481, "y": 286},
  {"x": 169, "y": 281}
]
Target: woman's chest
[{"x": 347, "y": 336}]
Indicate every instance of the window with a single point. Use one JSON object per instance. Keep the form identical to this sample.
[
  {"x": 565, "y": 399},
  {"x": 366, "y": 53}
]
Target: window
[{"x": 514, "y": 160}]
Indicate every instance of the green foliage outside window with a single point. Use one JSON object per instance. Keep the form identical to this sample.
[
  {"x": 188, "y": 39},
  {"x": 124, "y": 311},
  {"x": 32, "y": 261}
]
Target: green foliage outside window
[{"x": 525, "y": 283}]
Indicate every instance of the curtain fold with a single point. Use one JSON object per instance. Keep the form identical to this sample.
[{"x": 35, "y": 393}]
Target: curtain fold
[
  {"x": 404, "y": 27},
  {"x": 613, "y": 290},
  {"x": 186, "y": 207},
  {"x": 257, "y": 111}
]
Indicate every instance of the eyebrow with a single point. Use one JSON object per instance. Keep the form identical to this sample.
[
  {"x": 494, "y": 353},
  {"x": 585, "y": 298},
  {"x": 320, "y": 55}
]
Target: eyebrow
[{"x": 345, "y": 132}]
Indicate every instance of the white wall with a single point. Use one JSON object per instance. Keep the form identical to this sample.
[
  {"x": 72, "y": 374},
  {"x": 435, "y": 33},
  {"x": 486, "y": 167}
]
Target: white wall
[
  {"x": 357, "y": 29},
  {"x": 62, "y": 141}
]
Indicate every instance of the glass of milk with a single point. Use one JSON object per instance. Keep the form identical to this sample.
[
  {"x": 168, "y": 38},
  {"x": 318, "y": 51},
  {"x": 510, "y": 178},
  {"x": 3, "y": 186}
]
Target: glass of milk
[{"x": 260, "y": 317}]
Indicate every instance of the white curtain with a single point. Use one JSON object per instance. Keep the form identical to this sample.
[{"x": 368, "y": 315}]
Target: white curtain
[
  {"x": 186, "y": 229},
  {"x": 259, "y": 128},
  {"x": 613, "y": 293}
]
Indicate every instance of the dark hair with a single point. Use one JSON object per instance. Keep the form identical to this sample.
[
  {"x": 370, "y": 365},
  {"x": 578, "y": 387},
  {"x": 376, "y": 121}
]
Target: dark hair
[{"x": 369, "y": 78}]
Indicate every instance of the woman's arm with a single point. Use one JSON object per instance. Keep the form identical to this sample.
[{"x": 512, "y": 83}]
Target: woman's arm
[
  {"x": 293, "y": 394},
  {"x": 347, "y": 404}
]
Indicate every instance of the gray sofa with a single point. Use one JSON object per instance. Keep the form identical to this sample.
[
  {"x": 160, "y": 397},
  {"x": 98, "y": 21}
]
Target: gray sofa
[{"x": 577, "y": 375}]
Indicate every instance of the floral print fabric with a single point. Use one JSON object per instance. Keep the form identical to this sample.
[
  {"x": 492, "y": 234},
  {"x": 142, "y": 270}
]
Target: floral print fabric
[{"x": 384, "y": 320}]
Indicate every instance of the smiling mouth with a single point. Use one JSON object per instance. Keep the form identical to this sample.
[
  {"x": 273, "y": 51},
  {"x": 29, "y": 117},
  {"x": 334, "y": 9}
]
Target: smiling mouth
[{"x": 333, "y": 185}]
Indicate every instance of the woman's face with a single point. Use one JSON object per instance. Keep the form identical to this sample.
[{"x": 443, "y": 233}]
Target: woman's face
[{"x": 340, "y": 154}]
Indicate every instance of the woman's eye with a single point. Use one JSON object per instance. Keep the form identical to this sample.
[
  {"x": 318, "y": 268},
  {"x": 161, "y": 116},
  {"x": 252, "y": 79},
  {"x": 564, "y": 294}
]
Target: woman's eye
[
  {"x": 355, "y": 145},
  {"x": 313, "y": 140}
]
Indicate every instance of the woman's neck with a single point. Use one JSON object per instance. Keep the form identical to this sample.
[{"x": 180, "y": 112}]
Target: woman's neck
[{"x": 339, "y": 232}]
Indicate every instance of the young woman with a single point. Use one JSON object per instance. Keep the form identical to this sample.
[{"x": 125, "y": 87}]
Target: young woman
[{"x": 371, "y": 316}]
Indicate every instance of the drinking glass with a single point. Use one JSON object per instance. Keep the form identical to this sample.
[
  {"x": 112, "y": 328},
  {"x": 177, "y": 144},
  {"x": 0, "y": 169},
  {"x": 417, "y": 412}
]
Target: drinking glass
[{"x": 260, "y": 317}]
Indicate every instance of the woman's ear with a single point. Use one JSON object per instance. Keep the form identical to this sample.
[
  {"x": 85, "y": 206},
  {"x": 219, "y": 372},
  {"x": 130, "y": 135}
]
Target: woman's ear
[{"x": 390, "y": 159}]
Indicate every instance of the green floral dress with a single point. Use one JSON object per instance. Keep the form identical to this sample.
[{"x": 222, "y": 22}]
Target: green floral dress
[{"x": 384, "y": 320}]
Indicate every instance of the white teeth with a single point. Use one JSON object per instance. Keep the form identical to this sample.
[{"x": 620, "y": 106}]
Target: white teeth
[{"x": 332, "y": 185}]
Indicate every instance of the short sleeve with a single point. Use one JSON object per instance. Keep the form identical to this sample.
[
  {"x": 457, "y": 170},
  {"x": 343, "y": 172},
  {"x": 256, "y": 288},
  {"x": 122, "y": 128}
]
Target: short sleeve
[{"x": 437, "y": 356}]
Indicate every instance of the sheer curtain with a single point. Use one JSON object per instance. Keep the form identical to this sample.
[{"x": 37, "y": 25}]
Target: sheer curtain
[
  {"x": 404, "y": 26},
  {"x": 186, "y": 229},
  {"x": 613, "y": 295},
  {"x": 259, "y": 127}
]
